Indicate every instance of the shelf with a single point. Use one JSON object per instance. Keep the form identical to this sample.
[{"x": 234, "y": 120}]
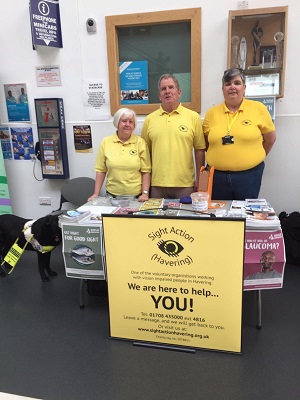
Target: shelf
[{"x": 258, "y": 28}]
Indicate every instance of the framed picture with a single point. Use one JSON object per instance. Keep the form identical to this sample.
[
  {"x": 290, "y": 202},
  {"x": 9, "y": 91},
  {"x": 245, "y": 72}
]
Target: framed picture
[
  {"x": 267, "y": 56},
  {"x": 262, "y": 85}
]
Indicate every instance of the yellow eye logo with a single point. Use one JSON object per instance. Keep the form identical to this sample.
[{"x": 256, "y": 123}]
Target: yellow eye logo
[
  {"x": 170, "y": 247},
  {"x": 183, "y": 128}
]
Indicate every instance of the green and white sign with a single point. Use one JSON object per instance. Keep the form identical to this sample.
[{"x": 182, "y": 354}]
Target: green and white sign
[{"x": 82, "y": 251}]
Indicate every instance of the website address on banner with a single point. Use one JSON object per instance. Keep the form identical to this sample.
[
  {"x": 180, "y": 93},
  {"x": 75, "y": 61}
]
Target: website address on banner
[{"x": 177, "y": 333}]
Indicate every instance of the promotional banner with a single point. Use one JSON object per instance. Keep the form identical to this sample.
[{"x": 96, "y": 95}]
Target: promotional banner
[
  {"x": 175, "y": 281},
  {"x": 82, "y": 251}
]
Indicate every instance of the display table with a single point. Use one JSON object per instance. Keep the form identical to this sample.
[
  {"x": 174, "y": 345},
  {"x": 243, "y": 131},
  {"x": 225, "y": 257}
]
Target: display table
[{"x": 84, "y": 255}]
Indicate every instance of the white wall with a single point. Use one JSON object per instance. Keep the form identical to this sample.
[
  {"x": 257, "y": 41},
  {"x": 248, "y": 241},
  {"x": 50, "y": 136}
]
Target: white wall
[{"x": 84, "y": 57}]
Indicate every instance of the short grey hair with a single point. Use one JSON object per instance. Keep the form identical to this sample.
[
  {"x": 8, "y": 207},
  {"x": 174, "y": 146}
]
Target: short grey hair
[
  {"x": 169, "y": 76},
  {"x": 127, "y": 113}
]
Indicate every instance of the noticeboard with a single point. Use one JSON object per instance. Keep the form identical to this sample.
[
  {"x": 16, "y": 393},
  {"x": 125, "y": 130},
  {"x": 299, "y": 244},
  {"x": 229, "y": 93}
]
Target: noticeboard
[{"x": 175, "y": 282}]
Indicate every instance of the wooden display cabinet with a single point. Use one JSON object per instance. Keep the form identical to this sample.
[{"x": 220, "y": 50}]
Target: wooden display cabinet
[{"x": 265, "y": 57}]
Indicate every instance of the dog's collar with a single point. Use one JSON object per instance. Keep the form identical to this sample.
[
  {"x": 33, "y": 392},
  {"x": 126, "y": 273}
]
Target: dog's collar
[{"x": 34, "y": 243}]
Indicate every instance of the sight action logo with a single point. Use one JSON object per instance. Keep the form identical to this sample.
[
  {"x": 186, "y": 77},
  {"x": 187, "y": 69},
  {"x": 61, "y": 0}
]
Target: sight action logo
[{"x": 171, "y": 247}]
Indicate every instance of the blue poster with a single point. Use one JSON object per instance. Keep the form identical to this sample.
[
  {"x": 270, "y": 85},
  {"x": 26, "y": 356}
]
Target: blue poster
[
  {"x": 134, "y": 82},
  {"x": 22, "y": 143},
  {"x": 17, "y": 102},
  {"x": 45, "y": 23}
]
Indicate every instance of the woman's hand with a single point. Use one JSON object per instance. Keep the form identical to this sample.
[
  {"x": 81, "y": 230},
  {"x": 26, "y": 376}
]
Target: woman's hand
[
  {"x": 143, "y": 197},
  {"x": 92, "y": 197}
]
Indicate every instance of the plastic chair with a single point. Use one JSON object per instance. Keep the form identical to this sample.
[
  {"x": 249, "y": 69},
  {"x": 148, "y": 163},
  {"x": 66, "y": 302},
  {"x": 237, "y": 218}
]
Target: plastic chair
[{"x": 75, "y": 192}]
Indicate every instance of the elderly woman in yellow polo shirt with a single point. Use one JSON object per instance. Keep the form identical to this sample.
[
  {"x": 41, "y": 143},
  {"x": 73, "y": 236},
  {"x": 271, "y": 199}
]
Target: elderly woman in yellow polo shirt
[
  {"x": 124, "y": 158},
  {"x": 239, "y": 133}
]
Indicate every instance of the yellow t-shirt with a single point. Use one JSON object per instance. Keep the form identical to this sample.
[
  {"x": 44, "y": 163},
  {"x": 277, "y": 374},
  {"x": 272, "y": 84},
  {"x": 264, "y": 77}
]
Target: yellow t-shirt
[
  {"x": 247, "y": 151},
  {"x": 123, "y": 163},
  {"x": 171, "y": 138}
]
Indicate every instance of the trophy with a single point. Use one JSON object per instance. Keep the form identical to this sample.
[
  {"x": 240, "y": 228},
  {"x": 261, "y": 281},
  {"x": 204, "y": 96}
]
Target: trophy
[
  {"x": 235, "y": 40},
  {"x": 243, "y": 53},
  {"x": 278, "y": 37},
  {"x": 257, "y": 33}
]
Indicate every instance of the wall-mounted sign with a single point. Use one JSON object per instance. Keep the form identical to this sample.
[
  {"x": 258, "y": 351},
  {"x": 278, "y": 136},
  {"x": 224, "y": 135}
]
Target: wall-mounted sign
[
  {"x": 45, "y": 23},
  {"x": 48, "y": 76}
]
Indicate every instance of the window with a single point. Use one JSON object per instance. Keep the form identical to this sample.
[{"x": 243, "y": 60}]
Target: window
[{"x": 170, "y": 42}]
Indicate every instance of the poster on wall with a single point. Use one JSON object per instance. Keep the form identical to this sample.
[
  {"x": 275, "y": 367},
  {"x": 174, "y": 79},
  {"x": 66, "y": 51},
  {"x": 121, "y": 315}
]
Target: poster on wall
[
  {"x": 17, "y": 102},
  {"x": 45, "y": 23},
  {"x": 5, "y": 142},
  {"x": 134, "y": 82},
  {"x": 96, "y": 99},
  {"x": 22, "y": 143},
  {"x": 48, "y": 76},
  {"x": 82, "y": 138},
  {"x": 175, "y": 281}
]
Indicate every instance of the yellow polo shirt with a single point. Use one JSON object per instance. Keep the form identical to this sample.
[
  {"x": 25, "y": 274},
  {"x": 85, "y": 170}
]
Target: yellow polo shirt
[
  {"x": 171, "y": 138},
  {"x": 247, "y": 151},
  {"x": 123, "y": 163}
]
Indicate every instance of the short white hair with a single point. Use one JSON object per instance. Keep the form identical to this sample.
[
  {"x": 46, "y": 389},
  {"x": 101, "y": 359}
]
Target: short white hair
[{"x": 127, "y": 113}]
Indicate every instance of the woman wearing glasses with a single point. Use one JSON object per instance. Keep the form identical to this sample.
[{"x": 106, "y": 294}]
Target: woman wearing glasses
[{"x": 239, "y": 133}]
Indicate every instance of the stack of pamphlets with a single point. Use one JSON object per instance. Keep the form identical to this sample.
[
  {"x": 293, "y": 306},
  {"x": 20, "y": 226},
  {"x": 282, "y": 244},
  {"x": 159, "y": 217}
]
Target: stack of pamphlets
[
  {"x": 258, "y": 213},
  {"x": 75, "y": 216},
  {"x": 96, "y": 212},
  {"x": 151, "y": 206}
]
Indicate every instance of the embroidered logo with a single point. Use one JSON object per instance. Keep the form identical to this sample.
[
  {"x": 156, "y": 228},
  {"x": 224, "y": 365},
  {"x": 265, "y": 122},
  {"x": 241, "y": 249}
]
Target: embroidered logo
[
  {"x": 183, "y": 128},
  {"x": 246, "y": 122}
]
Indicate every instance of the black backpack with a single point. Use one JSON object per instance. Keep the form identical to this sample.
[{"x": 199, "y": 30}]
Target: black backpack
[{"x": 290, "y": 225}]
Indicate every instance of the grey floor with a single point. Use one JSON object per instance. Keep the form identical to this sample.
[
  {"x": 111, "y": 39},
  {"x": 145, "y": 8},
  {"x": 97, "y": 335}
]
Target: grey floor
[{"x": 52, "y": 350}]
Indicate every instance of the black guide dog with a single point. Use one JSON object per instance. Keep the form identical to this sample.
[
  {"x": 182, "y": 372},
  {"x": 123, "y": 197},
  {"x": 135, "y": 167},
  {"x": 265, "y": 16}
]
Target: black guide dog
[{"x": 45, "y": 231}]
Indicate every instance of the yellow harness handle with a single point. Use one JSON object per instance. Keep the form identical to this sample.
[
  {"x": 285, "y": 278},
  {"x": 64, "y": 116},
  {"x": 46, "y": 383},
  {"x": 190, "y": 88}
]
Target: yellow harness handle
[{"x": 14, "y": 254}]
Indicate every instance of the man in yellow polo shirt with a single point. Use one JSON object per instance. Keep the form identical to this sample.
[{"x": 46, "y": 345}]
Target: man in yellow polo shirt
[{"x": 172, "y": 133}]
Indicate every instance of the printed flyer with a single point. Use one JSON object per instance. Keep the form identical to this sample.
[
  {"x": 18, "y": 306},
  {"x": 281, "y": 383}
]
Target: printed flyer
[
  {"x": 83, "y": 138},
  {"x": 264, "y": 260},
  {"x": 134, "y": 82},
  {"x": 175, "y": 281}
]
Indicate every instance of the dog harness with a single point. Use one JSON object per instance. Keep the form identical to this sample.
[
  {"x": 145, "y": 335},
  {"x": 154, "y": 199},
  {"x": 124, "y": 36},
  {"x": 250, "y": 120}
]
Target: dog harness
[{"x": 30, "y": 238}]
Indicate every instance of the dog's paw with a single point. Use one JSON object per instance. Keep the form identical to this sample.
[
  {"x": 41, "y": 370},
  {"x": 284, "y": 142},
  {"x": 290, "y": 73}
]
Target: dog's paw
[
  {"x": 52, "y": 273},
  {"x": 45, "y": 279}
]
